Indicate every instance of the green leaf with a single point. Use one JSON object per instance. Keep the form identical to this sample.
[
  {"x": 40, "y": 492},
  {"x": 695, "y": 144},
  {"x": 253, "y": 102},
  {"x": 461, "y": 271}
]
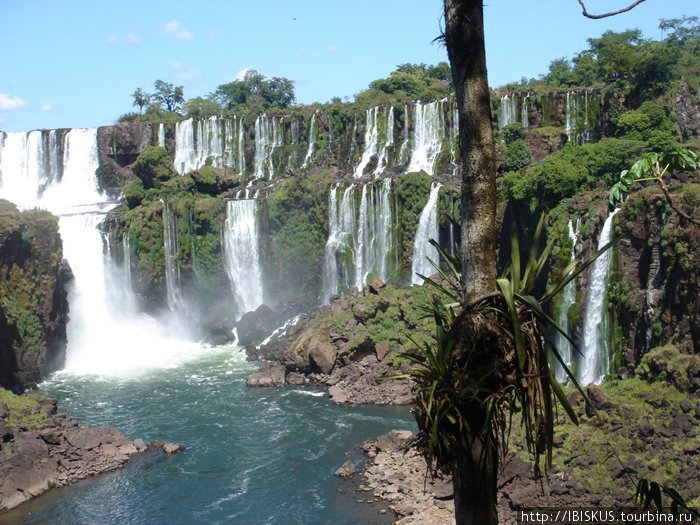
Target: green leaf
[{"x": 507, "y": 291}]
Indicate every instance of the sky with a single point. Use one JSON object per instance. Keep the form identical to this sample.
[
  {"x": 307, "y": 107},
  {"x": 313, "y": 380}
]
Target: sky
[{"x": 73, "y": 63}]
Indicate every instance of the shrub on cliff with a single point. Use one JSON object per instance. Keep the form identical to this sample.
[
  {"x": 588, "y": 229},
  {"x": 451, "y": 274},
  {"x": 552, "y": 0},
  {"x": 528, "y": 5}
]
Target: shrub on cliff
[{"x": 153, "y": 166}]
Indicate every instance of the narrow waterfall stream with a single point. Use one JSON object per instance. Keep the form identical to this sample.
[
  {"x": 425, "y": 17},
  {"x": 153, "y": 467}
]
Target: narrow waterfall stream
[
  {"x": 241, "y": 254},
  {"x": 427, "y": 229},
  {"x": 595, "y": 359}
]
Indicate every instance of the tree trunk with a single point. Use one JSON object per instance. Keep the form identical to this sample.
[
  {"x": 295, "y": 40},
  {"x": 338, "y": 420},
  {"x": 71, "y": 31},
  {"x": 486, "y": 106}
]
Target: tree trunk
[
  {"x": 476, "y": 468},
  {"x": 464, "y": 39},
  {"x": 474, "y": 482}
]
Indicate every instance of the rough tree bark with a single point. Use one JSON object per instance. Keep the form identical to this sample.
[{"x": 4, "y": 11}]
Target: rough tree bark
[
  {"x": 476, "y": 469},
  {"x": 464, "y": 39}
]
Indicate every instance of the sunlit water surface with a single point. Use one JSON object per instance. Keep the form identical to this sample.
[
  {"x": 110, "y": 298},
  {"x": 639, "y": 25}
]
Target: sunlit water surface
[{"x": 254, "y": 456}]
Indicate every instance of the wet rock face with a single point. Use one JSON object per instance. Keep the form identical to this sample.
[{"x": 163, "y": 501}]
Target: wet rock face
[{"x": 33, "y": 300}]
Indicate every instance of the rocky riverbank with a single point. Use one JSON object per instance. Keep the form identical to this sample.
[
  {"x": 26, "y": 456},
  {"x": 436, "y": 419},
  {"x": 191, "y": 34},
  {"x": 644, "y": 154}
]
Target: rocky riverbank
[
  {"x": 350, "y": 347},
  {"x": 41, "y": 449},
  {"x": 639, "y": 432}
]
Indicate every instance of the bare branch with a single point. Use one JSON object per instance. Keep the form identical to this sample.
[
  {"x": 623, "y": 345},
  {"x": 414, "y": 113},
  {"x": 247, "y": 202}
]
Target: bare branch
[{"x": 612, "y": 13}]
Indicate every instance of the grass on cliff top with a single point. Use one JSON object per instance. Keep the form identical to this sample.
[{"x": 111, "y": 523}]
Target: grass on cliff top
[
  {"x": 634, "y": 439},
  {"x": 24, "y": 410}
]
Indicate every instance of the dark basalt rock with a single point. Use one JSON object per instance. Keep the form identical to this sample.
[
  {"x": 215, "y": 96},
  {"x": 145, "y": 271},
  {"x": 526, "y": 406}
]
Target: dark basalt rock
[{"x": 33, "y": 300}]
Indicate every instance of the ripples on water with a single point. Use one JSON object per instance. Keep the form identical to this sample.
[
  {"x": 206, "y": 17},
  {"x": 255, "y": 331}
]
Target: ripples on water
[{"x": 254, "y": 455}]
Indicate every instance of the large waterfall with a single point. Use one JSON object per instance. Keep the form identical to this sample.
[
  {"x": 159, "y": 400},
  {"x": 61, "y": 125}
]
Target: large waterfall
[
  {"x": 360, "y": 238},
  {"x": 105, "y": 333},
  {"x": 427, "y": 229},
  {"x": 217, "y": 140},
  {"x": 241, "y": 254},
  {"x": 595, "y": 359},
  {"x": 567, "y": 298}
]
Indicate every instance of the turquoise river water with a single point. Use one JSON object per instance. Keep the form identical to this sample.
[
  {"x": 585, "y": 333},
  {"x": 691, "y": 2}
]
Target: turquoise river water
[{"x": 254, "y": 456}]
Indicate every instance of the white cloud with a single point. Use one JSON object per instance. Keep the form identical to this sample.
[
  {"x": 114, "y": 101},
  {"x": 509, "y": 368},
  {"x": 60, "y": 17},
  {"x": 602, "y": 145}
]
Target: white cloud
[
  {"x": 214, "y": 33},
  {"x": 173, "y": 29},
  {"x": 178, "y": 65},
  {"x": 46, "y": 107},
  {"x": 242, "y": 72},
  {"x": 8, "y": 102},
  {"x": 129, "y": 38},
  {"x": 332, "y": 48}
]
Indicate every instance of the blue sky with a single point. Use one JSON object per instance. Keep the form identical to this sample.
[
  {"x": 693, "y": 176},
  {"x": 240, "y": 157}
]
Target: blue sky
[{"x": 74, "y": 63}]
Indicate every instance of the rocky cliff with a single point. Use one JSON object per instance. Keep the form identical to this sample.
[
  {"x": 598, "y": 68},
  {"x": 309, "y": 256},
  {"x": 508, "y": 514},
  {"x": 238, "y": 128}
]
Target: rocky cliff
[{"x": 33, "y": 304}]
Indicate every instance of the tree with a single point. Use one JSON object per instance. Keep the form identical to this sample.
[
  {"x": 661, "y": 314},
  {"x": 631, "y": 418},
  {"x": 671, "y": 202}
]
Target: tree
[
  {"x": 141, "y": 99},
  {"x": 480, "y": 353},
  {"x": 171, "y": 96},
  {"x": 256, "y": 89},
  {"x": 201, "y": 107}
]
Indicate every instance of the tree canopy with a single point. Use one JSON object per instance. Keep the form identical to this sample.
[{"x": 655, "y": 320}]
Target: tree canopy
[{"x": 255, "y": 89}]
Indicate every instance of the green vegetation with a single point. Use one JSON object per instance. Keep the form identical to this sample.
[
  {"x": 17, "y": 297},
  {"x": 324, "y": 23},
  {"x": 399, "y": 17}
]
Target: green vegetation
[
  {"x": 409, "y": 82},
  {"x": 254, "y": 89},
  {"x": 24, "y": 412}
]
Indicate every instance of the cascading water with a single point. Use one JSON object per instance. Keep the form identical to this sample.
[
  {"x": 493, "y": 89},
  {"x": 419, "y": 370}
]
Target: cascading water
[
  {"x": 268, "y": 136},
  {"x": 508, "y": 113},
  {"x": 371, "y": 140},
  {"x": 28, "y": 163},
  {"x": 104, "y": 336},
  {"x": 427, "y": 229},
  {"x": 312, "y": 142},
  {"x": 388, "y": 141},
  {"x": 241, "y": 254},
  {"x": 567, "y": 298},
  {"x": 571, "y": 115},
  {"x": 404, "y": 150},
  {"x": 428, "y": 134},
  {"x": 172, "y": 267},
  {"x": 525, "y": 112},
  {"x": 215, "y": 139},
  {"x": 594, "y": 363},
  {"x": 161, "y": 135},
  {"x": 360, "y": 239}
]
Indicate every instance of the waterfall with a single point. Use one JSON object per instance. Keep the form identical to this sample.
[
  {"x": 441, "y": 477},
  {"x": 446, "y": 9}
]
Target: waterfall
[
  {"x": 524, "y": 112},
  {"x": 388, "y": 141},
  {"x": 212, "y": 139},
  {"x": 454, "y": 138},
  {"x": 428, "y": 133},
  {"x": 268, "y": 136},
  {"x": 161, "y": 135},
  {"x": 571, "y": 116},
  {"x": 427, "y": 229},
  {"x": 312, "y": 142},
  {"x": 106, "y": 335},
  {"x": 29, "y": 162},
  {"x": 171, "y": 247},
  {"x": 404, "y": 150},
  {"x": 507, "y": 114},
  {"x": 371, "y": 139},
  {"x": 595, "y": 321},
  {"x": 360, "y": 239},
  {"x": 567, "y": 298},
  {"x": 241, "y": 254}
]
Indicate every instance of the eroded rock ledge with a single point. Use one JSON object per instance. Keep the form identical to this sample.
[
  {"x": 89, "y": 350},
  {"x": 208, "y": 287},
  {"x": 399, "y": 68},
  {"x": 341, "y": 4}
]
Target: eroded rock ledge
[{"x": 41, "y": 449}]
